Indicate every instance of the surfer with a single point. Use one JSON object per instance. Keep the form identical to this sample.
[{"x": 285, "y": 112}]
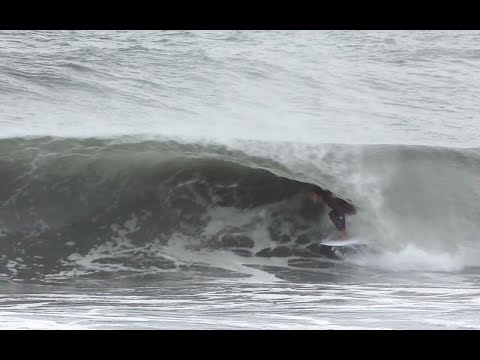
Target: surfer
[{"x": 339, "y": 207}]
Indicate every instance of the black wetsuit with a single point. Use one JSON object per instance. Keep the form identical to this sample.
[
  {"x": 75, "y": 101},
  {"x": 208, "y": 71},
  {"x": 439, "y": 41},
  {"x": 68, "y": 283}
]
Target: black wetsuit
[{"x": 339, "y": 209}]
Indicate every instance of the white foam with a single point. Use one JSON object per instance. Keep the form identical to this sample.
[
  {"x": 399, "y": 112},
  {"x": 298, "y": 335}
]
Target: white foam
[
  {"x": 412, "y": 257},
  {"x": 13, "y": 321},
  {"x": 225, "y": 259}
]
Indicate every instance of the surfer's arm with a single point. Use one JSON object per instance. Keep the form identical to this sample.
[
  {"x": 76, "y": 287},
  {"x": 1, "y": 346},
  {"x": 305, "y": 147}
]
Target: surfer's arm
[{"x": 338, "y": 218}]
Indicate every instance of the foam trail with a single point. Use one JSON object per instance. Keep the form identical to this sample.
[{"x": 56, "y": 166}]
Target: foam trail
[
  {"x": 414, "y": 258},
  {"x": 228, "y": 261}
]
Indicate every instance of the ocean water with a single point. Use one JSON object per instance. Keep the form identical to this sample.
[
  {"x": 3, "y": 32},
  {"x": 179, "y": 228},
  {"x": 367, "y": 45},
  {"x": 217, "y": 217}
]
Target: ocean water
[{"x": 159, "y": 179}]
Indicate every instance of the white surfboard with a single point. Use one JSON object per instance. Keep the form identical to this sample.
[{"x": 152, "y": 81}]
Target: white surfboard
[{"x": 348, "y": 242}]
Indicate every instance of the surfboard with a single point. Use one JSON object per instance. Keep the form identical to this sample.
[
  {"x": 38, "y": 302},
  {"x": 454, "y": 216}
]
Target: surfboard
[{"x": 348, "y": 242}]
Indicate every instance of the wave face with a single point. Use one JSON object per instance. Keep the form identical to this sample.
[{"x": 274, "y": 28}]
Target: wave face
[
  {"x": 121, "y": 202},
  {"x": 65, "y": 196}
]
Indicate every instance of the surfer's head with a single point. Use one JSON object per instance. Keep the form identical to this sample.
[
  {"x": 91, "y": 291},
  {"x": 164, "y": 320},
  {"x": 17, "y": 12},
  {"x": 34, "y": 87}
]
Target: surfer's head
[{"x": 316, "y": 194}]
